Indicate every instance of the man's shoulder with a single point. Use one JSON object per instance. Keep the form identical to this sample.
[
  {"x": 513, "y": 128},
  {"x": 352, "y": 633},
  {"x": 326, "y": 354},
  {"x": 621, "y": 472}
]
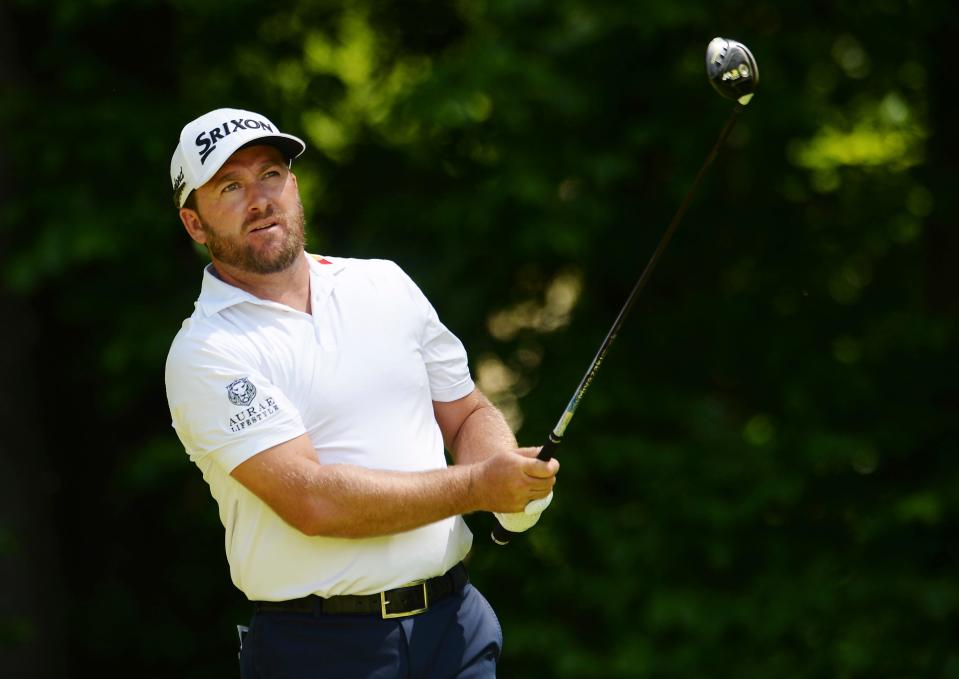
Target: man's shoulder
[
  {"x": 367, "y": 265},
  {"x": 198, "y": 336},
  {"x": 372, "y": 270}
]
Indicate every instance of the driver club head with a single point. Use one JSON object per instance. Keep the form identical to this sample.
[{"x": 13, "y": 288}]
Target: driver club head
[{"x": 731, "y": 69}]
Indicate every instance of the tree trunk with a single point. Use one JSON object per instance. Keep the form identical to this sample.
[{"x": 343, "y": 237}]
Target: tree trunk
[
  {"x": 941, "y": 234},
  {"x": 31, "y": 605}
]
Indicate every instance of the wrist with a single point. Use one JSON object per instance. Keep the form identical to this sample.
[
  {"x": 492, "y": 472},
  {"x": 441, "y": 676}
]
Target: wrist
[{"x": 474, "y": 496}]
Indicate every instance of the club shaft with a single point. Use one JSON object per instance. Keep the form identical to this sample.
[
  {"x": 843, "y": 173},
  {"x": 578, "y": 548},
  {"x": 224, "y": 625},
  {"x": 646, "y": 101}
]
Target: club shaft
[
  {"x": 556, "y": 436},
  {"x": 502, "y": 536}
]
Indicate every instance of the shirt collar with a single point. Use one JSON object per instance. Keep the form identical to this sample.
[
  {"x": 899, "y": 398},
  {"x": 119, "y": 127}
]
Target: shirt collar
[{"x": 217, "y": 295}]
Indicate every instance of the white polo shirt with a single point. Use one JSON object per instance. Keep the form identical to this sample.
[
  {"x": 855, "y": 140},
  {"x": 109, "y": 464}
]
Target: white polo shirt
[{"x": 359, "y": 376}]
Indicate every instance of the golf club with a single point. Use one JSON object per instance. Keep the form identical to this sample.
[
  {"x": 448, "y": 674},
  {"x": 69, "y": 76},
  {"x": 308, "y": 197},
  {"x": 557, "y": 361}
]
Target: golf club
[{"x": 731, "y": 70}]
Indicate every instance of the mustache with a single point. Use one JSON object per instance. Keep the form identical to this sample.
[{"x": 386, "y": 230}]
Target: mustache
[{"x": 270, "y": 212}]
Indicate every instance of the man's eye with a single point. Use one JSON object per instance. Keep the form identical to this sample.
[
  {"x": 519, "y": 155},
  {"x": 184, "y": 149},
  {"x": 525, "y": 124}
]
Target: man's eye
[
  {"x": 232, "y": 186},
  {"x": 272, "y": 173}
]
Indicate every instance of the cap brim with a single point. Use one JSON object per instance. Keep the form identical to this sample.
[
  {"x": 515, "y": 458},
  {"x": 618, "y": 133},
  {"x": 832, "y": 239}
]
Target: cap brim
[{"x": 289, "y": 146}]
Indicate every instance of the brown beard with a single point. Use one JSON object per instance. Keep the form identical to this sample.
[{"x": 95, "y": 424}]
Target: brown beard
[{"x": 236, "y": 252}]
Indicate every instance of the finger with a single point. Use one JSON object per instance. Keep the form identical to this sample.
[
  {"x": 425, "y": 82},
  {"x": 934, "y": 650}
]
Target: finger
[
  {"x": 542, "y": 470},
  {"x": 536, "y": 493},
  {"x": 546, "y": 485},
  {"x": 530, "y": 451},
  {"x": 539, "y": 494}
]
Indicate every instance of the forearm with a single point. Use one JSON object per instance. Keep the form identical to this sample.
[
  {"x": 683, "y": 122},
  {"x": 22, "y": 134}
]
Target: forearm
[
  {"x": 341, "y": 500},
  {"x": 484, "y": 433},
  {"x": 356, "y": 502}
]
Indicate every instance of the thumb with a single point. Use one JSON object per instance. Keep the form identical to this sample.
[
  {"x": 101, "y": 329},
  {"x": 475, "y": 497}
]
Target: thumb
[{"x": 542, "y": 470}]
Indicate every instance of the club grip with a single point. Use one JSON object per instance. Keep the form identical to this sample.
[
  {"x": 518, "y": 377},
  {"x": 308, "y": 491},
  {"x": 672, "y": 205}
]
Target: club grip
[
  {"x": 500, "y": 535},
  {"x": 546, "y": 452}
]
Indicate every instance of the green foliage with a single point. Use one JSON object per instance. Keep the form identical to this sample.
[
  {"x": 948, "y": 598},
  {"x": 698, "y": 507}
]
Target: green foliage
[{"x": 763, "y": 480}]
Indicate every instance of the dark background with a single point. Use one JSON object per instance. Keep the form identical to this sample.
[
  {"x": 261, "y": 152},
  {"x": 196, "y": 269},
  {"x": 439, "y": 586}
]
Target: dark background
[{"x": 763, "y": 480}]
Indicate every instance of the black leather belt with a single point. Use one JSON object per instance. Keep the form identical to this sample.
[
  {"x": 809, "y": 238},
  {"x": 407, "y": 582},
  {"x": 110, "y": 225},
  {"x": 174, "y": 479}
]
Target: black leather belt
[{"x": 410, "y": 599}]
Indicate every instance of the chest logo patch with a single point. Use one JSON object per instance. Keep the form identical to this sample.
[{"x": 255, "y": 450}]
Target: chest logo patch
[{"x": 241, "y": 392}]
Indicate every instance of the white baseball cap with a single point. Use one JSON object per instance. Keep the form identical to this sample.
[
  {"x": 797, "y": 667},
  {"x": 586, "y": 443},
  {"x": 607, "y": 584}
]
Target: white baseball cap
[{"x": 208, "y": 142}]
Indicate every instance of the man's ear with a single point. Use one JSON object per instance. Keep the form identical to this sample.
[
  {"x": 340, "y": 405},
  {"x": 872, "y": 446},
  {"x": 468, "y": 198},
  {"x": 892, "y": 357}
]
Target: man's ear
[{"x": 192, "y": 224}]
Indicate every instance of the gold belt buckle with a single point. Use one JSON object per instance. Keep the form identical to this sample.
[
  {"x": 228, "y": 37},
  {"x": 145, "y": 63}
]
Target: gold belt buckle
[{"x": 402, "y": 614}]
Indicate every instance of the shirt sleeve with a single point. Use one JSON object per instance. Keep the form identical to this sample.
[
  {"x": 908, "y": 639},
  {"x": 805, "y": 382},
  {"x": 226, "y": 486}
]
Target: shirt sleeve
[
  {"x": 222, "y": 406},
  {"x": 443, "y": 353}
]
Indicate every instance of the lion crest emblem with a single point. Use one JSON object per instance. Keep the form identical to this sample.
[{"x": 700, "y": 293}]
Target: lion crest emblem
[{"x": 241, "y": 392}]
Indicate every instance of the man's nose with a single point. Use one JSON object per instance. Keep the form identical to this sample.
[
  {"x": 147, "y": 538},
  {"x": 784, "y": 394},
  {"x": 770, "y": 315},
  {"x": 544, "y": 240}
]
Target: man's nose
[{"x": 259, "y": 198}]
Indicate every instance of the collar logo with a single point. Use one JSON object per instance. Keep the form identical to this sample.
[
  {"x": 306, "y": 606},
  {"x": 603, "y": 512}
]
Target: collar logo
[
  {"x": 241, "y": 392},
  {"x": 206, "y": 141}
]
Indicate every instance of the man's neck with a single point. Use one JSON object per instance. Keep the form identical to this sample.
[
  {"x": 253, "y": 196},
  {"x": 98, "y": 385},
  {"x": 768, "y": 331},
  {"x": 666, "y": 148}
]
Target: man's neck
[{"x": 290, "y": 286}]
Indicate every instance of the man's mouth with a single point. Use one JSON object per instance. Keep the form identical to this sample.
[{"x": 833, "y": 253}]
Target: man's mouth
[{"x": 264, "y": 227}]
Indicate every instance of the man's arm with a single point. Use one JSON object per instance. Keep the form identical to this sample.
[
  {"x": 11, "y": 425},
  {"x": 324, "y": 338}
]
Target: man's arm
[
  {"x": 473, "y": 428},
  {"x": 340, "y": 500}
]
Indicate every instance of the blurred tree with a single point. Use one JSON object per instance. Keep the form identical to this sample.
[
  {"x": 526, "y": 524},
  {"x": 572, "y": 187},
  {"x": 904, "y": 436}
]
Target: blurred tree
[
  {"x": 762, "y": 480},
  {"x": 940, "y": 174},
  {"x": 29, "y": 548}
]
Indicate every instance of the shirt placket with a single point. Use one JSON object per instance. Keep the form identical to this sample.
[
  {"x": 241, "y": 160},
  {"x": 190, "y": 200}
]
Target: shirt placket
[{"x": 321, "y": 296}]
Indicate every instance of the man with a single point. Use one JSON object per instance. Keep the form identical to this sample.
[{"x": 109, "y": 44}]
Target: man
[{"x": 316, "y": 395}]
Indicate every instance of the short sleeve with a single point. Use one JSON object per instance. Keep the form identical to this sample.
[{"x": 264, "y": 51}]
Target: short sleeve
[
  {"x": 446, "y": 362},
  {"x": 224, "y": 408},
  {"x": 443, "y": 353}
]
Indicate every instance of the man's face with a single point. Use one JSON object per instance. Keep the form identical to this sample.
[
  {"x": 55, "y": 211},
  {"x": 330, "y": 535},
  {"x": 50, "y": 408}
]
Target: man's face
[{"x": 249, "y": 214}]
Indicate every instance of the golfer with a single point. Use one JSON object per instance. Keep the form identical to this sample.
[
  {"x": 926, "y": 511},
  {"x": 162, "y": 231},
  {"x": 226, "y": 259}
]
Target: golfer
[{"x": 316, "y": 394}]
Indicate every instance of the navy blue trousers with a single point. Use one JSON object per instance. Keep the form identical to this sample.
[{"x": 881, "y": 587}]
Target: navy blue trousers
[{"x": 459, "y": 636}]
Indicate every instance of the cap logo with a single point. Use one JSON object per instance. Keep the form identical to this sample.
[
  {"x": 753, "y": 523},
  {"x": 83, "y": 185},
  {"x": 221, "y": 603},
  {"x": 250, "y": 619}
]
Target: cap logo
[
  {"x": 178, "y": 185},
  {"x": 206, "y": 141}
]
